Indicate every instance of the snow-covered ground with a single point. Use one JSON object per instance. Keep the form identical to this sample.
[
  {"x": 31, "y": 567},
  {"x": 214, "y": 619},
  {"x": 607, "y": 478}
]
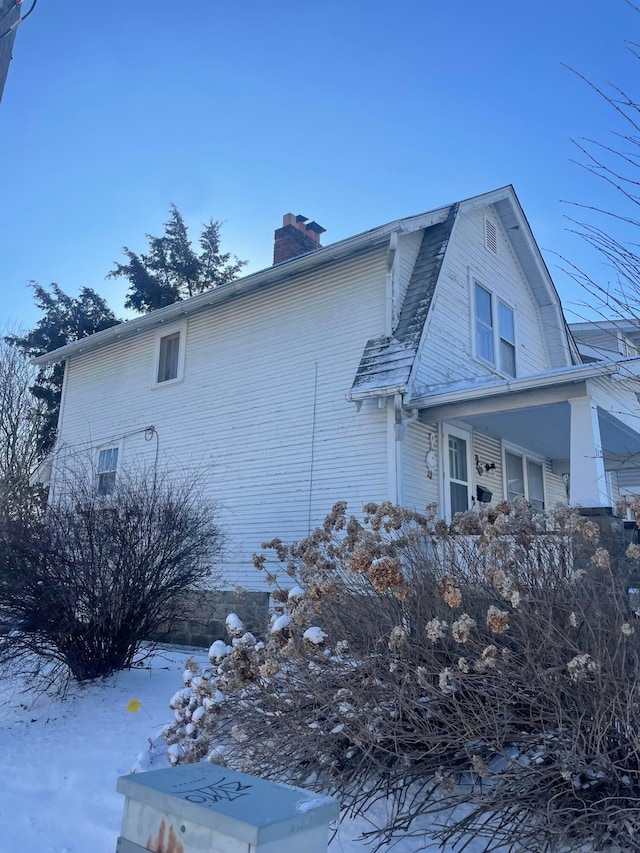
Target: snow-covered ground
[{"x": 60, "y": 760}]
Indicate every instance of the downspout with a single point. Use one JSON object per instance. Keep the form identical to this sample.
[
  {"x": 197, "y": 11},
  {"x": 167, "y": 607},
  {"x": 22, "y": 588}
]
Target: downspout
[{"x": 393, "y": 449}]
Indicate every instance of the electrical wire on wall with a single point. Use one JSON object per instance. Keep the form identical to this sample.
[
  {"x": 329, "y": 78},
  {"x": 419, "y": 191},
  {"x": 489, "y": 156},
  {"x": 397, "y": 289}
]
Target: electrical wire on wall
[{"x": 149, "y": 433}]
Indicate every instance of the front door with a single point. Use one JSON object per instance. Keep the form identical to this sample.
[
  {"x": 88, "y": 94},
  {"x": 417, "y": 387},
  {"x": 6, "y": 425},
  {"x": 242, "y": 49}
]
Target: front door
[{"x": 457, "y": 470}]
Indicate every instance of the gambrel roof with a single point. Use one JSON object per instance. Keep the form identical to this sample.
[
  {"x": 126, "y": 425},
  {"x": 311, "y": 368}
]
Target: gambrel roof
[{"x": 388, "y": 362}]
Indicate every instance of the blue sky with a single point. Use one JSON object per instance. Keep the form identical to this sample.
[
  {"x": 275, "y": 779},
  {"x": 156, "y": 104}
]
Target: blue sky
[{"x": 351, "y": 113}]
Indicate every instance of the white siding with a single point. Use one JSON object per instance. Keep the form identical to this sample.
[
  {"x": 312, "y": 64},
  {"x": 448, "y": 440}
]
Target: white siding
[
  {"x": 447, "y": 353},
  {"x": 418, "y": 488},
  {"x": 489, "y": 452},
  {"x": 261, "y": 414},
  {"x": 488, "y": 449},
  {"x": 555, "y": 488}
]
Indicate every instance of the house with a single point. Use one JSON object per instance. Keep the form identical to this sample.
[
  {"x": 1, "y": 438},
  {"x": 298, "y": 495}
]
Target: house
[{"x": 426, "y": 360}]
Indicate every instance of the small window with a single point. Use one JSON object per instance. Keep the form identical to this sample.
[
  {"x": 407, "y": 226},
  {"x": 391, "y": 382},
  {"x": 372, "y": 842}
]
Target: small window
[
  {"x": 107, "y": 468},
  {"x": 169, "y": 355}
]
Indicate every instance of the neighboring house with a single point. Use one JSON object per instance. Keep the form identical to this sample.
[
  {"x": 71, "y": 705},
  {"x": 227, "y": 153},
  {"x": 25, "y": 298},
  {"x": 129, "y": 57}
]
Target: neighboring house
[{"x": 427, "y": 360}]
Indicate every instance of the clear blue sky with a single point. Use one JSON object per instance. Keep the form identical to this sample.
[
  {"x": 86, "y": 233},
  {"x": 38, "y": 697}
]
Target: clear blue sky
[{"x": 352, "y": 113}]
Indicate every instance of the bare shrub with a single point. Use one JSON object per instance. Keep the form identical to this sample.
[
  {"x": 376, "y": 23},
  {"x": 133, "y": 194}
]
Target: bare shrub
[
  {"x": 491, "y": 664},
  {"x": 82, "y": 588},
  {"x": 21, "y": 418}
]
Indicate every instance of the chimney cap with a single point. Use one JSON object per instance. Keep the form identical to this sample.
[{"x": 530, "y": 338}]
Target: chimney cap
[{"x": 313, "y": 226}]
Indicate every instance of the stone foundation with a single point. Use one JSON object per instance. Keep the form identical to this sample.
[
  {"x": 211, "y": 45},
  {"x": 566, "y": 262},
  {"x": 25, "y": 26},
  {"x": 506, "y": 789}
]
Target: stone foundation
[{"x": 205, "y": 613}]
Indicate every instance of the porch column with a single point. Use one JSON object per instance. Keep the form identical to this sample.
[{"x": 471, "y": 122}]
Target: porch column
[{"x": 588, "y": 486}]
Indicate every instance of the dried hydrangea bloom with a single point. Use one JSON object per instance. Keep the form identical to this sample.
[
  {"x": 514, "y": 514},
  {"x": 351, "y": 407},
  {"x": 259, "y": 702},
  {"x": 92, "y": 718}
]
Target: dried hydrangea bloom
[
  {"x": 397, "y": 638},
  {"x": 581, "y": 666},
  {"x": 591, "y": 531},
  {"x": 450, "y": 592},
  {"x": 503, "y": 507},
  {"x": 626, "y": 629},
  {"x": 385, "y": 573},
  {"x": 602, "y": 558},
  {"x": 575, "y": 576},
  {"x": 435, "y": 629},
  {"x": 445, "y": 782},
  {"x": 441, "y": 529},
  {"x": 573, "y": 620},
  {"x": 269, "y": 668},
  {"x": 462, "y": 627},
  {"x": 487, "y": 659},
  {"x": 423, "y": 677},
  {"x": 341, "y": 647},
  {"x": 497, "y": 620},
  {"x": 478, "y": 765},
  {"x": 258, "y": 561},
  {"x": 463, "y": 665},
  {"x": 633, "y": 551},
  {"x": 360, "y": 561},
  {"x": 444, "y": 679}
]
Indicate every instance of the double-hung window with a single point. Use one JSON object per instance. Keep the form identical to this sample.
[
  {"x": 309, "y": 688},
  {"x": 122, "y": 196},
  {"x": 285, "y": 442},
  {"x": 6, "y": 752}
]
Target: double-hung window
[
  {"x": 169, "y": 355},
  {"x": 107, "y": 469},
  {"x": 524, "y": 478},
  {"x": 495, "y": 330}
]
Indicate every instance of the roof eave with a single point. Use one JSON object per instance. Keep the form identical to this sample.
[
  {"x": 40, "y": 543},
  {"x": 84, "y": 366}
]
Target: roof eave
[
  {"x": 577, "y": 373},
  {"x": 376, "y": 393},
  {"x": 336, "y": 252}
]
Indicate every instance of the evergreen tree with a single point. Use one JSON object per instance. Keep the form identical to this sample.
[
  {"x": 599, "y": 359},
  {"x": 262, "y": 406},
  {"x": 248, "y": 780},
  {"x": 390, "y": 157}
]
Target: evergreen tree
[
  {"x": 66, "y": 319},
  {"x": 171, "y": 270}
]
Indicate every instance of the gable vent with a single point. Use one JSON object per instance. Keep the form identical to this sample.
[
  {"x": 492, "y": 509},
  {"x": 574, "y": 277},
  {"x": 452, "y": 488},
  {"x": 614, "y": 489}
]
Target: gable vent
[{"x": 490, "y": 236}]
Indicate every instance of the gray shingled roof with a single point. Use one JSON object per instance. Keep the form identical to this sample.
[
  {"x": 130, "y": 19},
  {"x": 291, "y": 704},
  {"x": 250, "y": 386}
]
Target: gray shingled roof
[{"x": 387, "y": 361}]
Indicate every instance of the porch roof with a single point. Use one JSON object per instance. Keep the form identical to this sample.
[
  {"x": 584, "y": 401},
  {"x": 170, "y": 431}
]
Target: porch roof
[
  {"x": 534, "y": 412},
  {"x": 481, "y": 388}
]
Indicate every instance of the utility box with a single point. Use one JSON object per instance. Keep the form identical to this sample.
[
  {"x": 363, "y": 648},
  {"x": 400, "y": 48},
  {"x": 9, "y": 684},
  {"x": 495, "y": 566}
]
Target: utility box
[{"x": 203, "y": 808}]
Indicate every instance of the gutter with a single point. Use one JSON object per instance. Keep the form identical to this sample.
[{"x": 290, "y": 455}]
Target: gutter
[{"x": 542, "y": 380}]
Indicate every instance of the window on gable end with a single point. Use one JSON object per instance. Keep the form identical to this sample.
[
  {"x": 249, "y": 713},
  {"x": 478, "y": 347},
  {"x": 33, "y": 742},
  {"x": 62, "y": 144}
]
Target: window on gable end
[
  {"x": 484, "y": 323},
  {"x": 495, "y": 331},
  {"x": 169, "y": 355},
  {"x": 507, "y": 332},
  {"x": 107, "y": 470}
]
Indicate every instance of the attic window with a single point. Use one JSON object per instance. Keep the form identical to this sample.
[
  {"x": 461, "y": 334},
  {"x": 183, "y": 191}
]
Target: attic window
[{"x": 490, "y": 236}]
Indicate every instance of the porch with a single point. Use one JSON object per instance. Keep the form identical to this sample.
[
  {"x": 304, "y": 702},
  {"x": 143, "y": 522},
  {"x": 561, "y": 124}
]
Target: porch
[{"x": 578, "y": 426}]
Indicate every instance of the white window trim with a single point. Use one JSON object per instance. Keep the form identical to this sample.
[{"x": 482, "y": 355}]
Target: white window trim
[
  {"x": 163, "y": 332},
  {"x": 443, "y": 440},
  {"x": 495, "y": 317},
  {"x": 527, "y": 456},
  {"x": 117, "y": 445}
]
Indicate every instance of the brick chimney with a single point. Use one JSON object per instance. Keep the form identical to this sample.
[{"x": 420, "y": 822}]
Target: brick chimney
[{"x": 297, "y": 237}]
